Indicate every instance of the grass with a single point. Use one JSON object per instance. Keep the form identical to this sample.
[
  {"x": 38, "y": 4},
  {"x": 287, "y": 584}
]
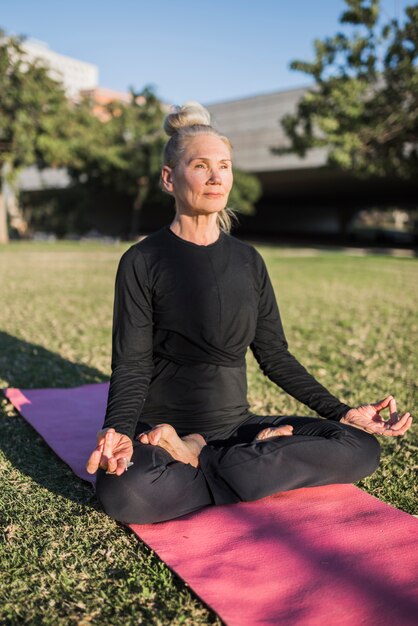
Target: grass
[{"x": 350, "y": 320}]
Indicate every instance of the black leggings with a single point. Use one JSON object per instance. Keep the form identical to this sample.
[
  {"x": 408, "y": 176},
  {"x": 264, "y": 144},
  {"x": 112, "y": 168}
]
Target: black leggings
[{"x": 158, "y": 488}]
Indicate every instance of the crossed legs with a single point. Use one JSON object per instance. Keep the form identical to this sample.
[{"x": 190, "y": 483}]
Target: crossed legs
[{"x": 243, "y": 467}]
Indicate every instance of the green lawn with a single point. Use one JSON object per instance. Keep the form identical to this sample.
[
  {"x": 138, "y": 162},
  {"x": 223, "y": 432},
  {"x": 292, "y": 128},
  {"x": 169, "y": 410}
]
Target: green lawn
[{"x": 351, "y": 320}]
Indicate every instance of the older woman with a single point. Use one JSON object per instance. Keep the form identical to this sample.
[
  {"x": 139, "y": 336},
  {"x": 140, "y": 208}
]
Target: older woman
[{"x": 189, "y": 300}]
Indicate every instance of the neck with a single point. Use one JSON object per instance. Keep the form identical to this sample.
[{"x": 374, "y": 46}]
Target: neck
[{"x": 200, "y": 229}]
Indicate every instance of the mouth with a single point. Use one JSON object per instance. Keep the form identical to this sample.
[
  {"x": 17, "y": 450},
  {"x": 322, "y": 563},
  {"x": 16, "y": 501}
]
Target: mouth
[{"x": 214, "y": 195}]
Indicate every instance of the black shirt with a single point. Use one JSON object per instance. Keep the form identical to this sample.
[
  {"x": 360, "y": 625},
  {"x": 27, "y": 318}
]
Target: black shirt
[{"x": 184, "y": 317}]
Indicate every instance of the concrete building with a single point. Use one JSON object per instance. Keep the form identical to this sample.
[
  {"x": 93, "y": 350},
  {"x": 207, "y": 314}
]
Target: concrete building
[
  {"x": 253, "y": 126},
  {"x": 300, "y": 195}
]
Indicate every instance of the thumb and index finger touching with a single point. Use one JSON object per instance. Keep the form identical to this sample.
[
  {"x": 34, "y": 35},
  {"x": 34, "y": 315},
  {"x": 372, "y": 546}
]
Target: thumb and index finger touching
[
  {"x": 396, "y": 424},
  {"x": 390, "y": 402}
]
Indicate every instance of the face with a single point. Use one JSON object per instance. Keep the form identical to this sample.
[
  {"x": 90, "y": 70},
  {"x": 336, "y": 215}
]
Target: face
[{"x": 202, "y": 179}]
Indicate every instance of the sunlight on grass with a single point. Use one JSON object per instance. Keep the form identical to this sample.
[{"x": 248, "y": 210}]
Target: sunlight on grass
[{"x": 350, "y": 320}]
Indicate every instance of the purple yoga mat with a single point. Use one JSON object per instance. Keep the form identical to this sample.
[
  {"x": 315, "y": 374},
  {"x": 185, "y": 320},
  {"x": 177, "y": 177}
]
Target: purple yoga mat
[{"x": 311, "y": 557}]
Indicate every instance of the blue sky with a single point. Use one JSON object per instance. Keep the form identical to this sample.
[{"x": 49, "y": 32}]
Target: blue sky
[{"x": 209, "y": 51}]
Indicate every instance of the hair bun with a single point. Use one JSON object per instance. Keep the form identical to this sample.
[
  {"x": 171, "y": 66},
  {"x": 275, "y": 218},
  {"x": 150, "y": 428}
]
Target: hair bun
[{"x": 189, "y": 114}]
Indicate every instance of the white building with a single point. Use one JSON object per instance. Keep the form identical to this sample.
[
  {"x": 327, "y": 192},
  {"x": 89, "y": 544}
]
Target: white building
[{"x": 74, "y": 74}]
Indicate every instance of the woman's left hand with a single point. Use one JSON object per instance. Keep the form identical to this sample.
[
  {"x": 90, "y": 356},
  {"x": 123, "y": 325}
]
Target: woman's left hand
[{"x": 367, "y": 417}]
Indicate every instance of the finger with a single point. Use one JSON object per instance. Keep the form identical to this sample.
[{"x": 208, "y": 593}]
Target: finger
[
  {"x": 383, "y": 403},
  {"x": 405, "y": 428},
  {"x": 400, "y": 422},
  {"x": 407, "y": 425},
  {"x": 396, "y": 433},
  {"x": 103, "y": 464},
  {"x": 108, "y": 443},
  {"x": 393, "y": 412},
  {"x": 100, "y": 435},
  {"x": 112, "y": 465},
  {"x": 93, "y": 462},
  {"x": 143, "y": 438},
  {"x": 122, "y": 465}
]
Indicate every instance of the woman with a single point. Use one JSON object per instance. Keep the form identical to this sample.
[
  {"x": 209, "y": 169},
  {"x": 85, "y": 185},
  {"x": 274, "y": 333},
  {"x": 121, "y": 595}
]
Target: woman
[{"x": 189, "y": 300}]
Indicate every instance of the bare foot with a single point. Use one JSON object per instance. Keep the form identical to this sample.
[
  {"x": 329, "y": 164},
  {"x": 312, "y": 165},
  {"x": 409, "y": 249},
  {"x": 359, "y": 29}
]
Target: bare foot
[
  {"x": 275, "y": 431},
  {"x": 185, "y": 449}
]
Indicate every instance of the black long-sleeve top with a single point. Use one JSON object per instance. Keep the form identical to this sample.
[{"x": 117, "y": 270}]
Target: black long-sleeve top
[{"x": 184, "y": 317}]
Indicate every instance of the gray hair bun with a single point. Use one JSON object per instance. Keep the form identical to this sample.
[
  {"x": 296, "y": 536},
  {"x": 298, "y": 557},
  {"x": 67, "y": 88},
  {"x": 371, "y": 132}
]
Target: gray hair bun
[{"x": 189, "y": 114}]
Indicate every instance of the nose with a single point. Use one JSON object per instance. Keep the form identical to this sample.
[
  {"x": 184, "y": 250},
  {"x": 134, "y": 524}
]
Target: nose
[{"x": 215, "y": 177}]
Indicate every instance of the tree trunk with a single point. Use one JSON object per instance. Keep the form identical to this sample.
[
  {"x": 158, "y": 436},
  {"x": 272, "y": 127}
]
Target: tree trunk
[
  {"x": 4, "y": 230},
  {"x": 17, "y": 220}
]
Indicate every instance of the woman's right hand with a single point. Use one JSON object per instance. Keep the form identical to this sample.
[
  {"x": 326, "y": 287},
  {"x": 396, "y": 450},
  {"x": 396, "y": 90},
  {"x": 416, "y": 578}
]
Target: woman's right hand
[{"x": 113, "y": 452}]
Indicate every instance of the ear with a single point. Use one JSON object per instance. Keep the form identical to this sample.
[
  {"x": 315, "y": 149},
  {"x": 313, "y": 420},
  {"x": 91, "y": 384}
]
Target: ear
[{"x": 167, "y": 178}]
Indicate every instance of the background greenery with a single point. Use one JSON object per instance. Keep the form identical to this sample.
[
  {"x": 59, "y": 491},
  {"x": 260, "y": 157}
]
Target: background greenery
[
  {"x": 363, "y": 106},
  {"x": 114, "y": 150},
  {"x": 351, "y": 320}
]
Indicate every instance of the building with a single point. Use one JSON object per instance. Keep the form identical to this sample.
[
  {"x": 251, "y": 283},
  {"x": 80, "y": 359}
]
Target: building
[
  {"x": 79, "y": 79},
  {"x": 301, "y": 196},
  {"x": 253, "y": 126},
  {"x": 75, "y": 75}
]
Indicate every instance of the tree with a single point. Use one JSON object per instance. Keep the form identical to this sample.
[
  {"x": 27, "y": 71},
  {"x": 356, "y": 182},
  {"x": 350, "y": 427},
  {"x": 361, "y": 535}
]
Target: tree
[
  {"x": 364, "y": 105},
  {"x": 127, "y": 154},
  {"x": 118, "y": 151},
  {"x": 33, "y": 107},
  {"x": 128, "y": 147},
  {"x": 245, "y": 192}
]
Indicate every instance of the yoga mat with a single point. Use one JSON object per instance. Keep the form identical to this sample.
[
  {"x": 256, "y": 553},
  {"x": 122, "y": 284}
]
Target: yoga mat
[{"x": 331, "y": 555}]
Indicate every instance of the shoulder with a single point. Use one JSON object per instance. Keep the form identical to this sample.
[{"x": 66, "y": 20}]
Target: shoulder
[
  {"x": 138, "y": 252},
  {"x": 248, "y": 250},
  {"x": 239, "y": 245}
]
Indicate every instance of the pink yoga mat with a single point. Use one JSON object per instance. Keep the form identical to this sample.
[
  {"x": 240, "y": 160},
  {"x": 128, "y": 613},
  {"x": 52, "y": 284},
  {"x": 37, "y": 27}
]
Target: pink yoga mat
[{"x": 311, "y": 557}]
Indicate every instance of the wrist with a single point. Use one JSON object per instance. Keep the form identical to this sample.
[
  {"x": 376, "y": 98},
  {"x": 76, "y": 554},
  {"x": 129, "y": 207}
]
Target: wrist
[{"x": 346, "y": 416}]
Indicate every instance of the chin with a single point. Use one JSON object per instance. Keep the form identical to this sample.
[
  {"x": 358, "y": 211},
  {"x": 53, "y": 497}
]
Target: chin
[
  {"x": 216, "y": 205},
  {"x": 208, "y": 210}
]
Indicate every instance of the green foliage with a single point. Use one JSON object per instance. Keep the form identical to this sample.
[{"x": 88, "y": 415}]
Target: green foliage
[
  {"x": 128, "y": 156},
  {"x": 33, "y": 108},
  {"x": 245, "y": 192},
  {"x": 117, "y": 151},
  {"x": 34, "y": 114},
  {"x": 364, "y": 105}
]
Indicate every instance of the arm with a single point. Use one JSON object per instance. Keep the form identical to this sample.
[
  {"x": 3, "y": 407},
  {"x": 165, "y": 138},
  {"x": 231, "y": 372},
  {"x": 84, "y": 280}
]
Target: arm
[
  {"x": 270, "y": 349},
  {"x": 132, "y": 365},
  {"x": 132, "y": 344}
]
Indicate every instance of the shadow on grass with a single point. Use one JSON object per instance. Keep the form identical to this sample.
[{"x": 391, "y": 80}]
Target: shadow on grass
[
  {"x": 28, "y": 365},
  {"x": 24, "y": 364}
]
